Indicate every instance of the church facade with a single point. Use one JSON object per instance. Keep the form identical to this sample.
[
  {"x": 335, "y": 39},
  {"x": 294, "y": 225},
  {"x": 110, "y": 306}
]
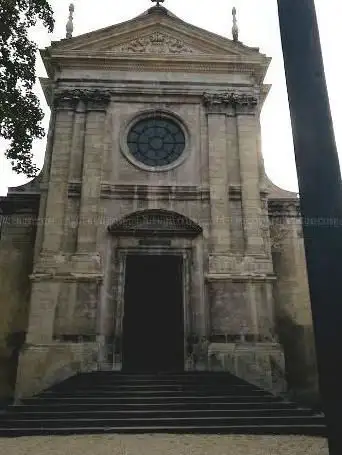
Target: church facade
[{"x": 153, "y": 239}]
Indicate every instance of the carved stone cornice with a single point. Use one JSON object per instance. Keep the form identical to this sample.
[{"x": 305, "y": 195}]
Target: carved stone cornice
[
  {"x": 92, "y": 99},
  {"x": 224, "y": 100}
]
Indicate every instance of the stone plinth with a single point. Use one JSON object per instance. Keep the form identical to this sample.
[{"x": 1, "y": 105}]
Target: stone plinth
[
  {"x": 261, "y": 364},
  {"x": 42, "y": 366}
]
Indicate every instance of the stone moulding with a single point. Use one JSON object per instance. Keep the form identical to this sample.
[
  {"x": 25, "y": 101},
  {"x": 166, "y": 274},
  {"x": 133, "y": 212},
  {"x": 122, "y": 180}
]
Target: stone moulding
[
  {"x": 67, "y": 277},
  {"x": 239, "y": 277},
  {"x": 236, "y": 265},
  {"x": 242, "y": 341},
  {"x": 230, "y": 98},
  {"x": 164, "y": 192},
  {"x": 150, "y": 192},
  {"x": 104, "y": 97},
  {"x": 284, "y": 209},
  {"x": 94, "y": 99}
]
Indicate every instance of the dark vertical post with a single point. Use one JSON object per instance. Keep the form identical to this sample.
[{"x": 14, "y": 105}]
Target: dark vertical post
[{"x": 320, "y": 197}]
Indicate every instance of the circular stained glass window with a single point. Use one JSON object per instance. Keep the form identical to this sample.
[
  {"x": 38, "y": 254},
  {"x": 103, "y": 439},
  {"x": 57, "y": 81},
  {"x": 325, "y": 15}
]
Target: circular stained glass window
[{"x": 156, "y": 141}]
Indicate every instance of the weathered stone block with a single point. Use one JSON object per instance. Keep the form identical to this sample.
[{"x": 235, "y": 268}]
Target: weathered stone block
[
  {"x": 253, "y": 362},
  {"x": 41, "y": 366}
]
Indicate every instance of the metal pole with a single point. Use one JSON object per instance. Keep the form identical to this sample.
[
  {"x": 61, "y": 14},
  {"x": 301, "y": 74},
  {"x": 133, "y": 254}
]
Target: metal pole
[{"x": 320, "y": 197}]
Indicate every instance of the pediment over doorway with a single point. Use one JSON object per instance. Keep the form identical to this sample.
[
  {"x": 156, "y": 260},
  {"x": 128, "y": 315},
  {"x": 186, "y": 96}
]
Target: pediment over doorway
[{"x": 155, "y": 223}]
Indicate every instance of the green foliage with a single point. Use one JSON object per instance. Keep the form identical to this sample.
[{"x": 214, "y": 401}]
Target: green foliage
[{"x": 20, "y": 113}]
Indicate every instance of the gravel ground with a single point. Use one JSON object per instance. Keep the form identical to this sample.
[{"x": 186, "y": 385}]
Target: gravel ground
[{"x": 164, "y": 445}]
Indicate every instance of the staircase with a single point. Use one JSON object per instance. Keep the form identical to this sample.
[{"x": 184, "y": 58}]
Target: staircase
[{"x": 110, "y": 402}]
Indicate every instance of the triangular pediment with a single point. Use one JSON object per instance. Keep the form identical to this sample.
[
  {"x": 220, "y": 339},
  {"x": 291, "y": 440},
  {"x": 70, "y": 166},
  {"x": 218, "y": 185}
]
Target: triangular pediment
[
  {"x": 154, "y": 40},
  {"x": 154, "y": 32}
]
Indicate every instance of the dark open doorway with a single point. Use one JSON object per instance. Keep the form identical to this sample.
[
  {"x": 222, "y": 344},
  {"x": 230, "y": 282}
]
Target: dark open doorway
[{"x": 153, "y": 329}]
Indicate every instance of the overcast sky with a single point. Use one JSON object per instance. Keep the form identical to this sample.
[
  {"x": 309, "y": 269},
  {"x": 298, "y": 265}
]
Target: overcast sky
[{"x": 258, "y": 23}]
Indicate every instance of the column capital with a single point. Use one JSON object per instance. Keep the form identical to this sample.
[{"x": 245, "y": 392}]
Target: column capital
[
  {"x": 65, "y": 101},
  {"x": 93, "y": 100},
  {"x": 230, "y": 102},
  {"x": 97, "y": 100}
]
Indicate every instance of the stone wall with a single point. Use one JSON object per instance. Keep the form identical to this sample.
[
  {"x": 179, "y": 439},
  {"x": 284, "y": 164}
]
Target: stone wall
[
  {"x": 230, "y": 308},
  {"x": 76, "y": 312},
  {"x": 121, "y": 112},
  {"x": 42, "y": 366},
  {"x": 292, "y": 299},
  {"x": 17, "y": 235}
]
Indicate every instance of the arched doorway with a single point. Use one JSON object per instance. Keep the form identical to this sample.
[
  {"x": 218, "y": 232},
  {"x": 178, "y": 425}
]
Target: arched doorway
[{"x": 151, "y": 318}]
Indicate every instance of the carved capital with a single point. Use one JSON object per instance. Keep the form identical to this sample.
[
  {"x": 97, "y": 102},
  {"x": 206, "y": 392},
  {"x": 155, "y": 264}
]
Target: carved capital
[
  {"x": 65, "y": 101},
  {"x": 222, "y": 101},
  {"x": 92, "y": 99},
  {"x": 97, "y": 100}
]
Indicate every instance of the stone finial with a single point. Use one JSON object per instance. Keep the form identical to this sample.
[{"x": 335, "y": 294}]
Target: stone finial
[
  {"x": 158, "y": 2},
  {"x": 70, "y": 24},
  {"x": 235, "y": 29}
]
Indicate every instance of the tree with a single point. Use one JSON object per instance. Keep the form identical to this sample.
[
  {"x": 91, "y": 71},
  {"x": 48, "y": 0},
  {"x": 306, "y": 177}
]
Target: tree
[{"x": 20, "y": 113}]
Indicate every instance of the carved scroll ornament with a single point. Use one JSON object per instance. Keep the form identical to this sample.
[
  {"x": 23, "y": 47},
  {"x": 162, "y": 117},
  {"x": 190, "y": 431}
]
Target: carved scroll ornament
[{"x": 157, "y": 43}]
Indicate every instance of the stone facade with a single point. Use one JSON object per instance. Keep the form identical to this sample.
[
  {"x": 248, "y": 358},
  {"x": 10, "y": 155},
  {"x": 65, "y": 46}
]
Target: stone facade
[{"x": 245, "y": 291}]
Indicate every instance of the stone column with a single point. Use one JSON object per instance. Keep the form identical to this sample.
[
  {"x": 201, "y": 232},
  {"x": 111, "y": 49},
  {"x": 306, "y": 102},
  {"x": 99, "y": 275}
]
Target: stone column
[
  {"x": 44, "y": 180},
  {"x": 57, "y": 196},
  {"x": 44, "y": 292},
  {"x": 253, "y": 306},
  {"x": 103, "y": 312},
  {"x": 247, "y": 121},
  {"x": 218, "y": 176},
  {"x": 75, "y": 172},
  {"x": 92, "y": 171}
]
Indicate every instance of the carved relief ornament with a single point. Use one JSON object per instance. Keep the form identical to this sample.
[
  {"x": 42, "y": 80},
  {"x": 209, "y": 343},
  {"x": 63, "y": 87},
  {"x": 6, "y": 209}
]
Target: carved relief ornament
[
  {"x": 91, "y": 98},
  {"x": 278, "y": 234},
  {"x": 157, "y": 43},
  {"x": 230, "y": 98}
]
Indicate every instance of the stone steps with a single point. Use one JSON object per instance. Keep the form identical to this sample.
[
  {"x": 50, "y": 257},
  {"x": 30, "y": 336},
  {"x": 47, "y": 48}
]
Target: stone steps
[{"x": 109, "y": 402}]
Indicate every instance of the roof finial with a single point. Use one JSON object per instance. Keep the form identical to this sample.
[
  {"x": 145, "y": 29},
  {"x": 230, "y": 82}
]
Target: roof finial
[
  {"x": 70, "y": 24},
  {"x": 235, "y": 29},
  {"x": 158, "y": 2}
]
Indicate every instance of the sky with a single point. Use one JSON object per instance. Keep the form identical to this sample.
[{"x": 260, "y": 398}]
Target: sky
[{"x": 259, "y": 27}]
